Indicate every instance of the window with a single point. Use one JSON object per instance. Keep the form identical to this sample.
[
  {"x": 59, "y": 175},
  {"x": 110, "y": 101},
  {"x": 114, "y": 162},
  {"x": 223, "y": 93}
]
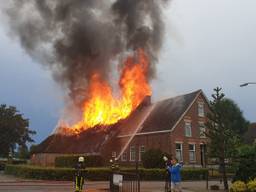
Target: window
[
  {"x": 113, "y": 154},
  {"x": 192, "y": 152},
  {"x": 124, "y": 156},
  {"x": 201, "y": 109},
  {"x": 132, "y": 153},
  {"x": 202, "y": 130},
  {"x": 188, "y": 132},
  {"x": 142, "y": 150},
  {"x": 179, "y": 151}
]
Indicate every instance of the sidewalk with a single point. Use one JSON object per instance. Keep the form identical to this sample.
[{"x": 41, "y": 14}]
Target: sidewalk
[{"x": 7, "y": 181}]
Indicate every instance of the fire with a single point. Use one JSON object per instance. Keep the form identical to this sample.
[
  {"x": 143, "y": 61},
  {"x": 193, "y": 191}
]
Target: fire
[{"x": 102, "y": 108}]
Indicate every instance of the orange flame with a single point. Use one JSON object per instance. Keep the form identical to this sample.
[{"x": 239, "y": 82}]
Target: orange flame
[{"x": 102, "y": 108}]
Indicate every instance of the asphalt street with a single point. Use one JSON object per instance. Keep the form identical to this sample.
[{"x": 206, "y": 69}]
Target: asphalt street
[{"x": 14, "y": 184}]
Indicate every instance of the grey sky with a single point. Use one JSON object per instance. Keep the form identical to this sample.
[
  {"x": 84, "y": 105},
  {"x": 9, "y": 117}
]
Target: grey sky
[{"x": 208, "y": 43}]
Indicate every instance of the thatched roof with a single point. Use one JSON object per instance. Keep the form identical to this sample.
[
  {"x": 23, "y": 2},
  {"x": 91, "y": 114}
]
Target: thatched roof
[
  {"x": 147, "y": 117},
  {"x": 159, "y": 116}
]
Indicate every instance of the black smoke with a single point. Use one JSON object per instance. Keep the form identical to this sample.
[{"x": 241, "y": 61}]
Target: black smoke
[{"x": 75, "y": 38}]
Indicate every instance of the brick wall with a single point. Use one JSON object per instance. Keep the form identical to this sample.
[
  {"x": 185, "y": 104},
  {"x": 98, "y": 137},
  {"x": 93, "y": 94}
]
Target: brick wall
[{"x": 167, "y": 141}]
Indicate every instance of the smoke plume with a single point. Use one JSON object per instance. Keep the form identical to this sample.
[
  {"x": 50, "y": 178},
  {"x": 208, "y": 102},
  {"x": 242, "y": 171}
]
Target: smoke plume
[{"x": 75, "y": 38}]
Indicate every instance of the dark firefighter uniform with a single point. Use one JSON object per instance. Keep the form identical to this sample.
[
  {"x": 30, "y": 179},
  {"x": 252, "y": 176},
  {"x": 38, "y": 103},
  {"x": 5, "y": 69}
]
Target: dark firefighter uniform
[{"x": 79, "y": 175}]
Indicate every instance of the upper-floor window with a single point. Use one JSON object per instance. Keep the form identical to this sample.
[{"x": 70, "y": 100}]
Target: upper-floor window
[
  {"x": 132, "y": 153},
  {"x": 178, "y": 151},
  {"x": 192, "y": 152},
  {"x": 142, "y": 151},
  {"x": 124, "y": 156},
  {"x": 188, "y": 127},
  {"x": 202, "y": 130},
  {"x": 201, "y": 109}
]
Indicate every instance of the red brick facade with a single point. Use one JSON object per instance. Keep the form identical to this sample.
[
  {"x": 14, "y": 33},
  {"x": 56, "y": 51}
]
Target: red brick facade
[
  {"x": 167, "y": 140},
  {"x": 171, "y": 125}
]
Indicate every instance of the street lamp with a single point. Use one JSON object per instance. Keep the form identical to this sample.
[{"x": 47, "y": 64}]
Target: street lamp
[{"x": 246, "y": 84}]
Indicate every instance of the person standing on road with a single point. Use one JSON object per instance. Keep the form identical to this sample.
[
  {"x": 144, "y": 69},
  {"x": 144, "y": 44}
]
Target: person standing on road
[
  {"x": 79, "y": 175},
  {"x": 175, "y": 176}
]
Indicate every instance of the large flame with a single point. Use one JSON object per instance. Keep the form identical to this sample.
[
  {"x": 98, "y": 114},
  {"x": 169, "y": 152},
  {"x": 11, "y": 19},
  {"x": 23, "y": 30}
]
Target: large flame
[{"x": 102, "y": 108}]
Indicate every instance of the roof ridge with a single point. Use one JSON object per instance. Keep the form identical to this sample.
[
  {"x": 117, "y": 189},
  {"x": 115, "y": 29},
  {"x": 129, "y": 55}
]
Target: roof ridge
[{"x": 180, "y": 95}]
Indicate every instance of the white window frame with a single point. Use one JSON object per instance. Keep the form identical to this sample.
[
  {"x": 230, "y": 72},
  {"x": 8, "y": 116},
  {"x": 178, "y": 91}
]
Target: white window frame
[
  {"x": 202, "y": 129},
  {"x": 201, "y": 111},
  {"x": 132, "y": 153},
  {"x": 124, "y": 156},
  {"x": 141, "y": 151},
  {"x": 193, "y": 151},
  {"x": 113, "y": 154},
  {"x": 188, "y": 124},
  {"x": 179, "y": 150}
]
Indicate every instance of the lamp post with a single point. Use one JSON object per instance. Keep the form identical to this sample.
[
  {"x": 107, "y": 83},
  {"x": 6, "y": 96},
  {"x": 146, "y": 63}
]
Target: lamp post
[{"x": 246, "y": 84}]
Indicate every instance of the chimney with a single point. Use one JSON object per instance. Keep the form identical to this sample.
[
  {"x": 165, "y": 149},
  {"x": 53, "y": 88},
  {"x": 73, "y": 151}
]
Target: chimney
[{"x": 146, "y": 101}]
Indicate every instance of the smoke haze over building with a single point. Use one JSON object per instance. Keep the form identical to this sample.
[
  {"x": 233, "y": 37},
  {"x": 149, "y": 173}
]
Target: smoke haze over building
[{"x": 76, "y": 38}]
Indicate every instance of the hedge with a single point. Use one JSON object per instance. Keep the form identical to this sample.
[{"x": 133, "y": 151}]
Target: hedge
[
  {"x": 3, "y": 162},
  {"x": 71, "y": 160},
  {"x": 96, "y": 174}
]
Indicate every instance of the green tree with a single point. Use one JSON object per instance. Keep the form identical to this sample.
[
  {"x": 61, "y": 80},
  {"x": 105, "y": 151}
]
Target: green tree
[
  {"x": 32, "y": 149},
  {"x": 153, "y": 158},
  {"x": 23, "y": 152},
  {"x": 246, "y": 161},
  {"x": 226, "y": 125},
  {"x": 14, "y": 130}
]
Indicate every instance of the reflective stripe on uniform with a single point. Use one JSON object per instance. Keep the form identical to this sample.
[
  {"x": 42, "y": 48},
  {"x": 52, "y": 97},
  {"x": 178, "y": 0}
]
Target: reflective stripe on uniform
[{"x": 77, "y": 187}]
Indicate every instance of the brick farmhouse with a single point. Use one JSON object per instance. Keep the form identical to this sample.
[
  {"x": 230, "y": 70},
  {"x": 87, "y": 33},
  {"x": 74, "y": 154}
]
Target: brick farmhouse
[{"x": 175, "y": 126}]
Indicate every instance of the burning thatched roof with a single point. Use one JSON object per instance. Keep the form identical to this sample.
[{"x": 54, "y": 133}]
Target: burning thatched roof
[
  {"x": 147, "y": 117},
  {"x": 90, "y": 141}
]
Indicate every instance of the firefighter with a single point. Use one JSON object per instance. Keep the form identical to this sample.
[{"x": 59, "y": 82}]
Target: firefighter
[{"x": 79, "y": 175}]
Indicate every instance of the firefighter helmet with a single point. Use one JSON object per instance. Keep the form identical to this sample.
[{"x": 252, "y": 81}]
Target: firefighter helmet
[{"x": 81, "y": 159}]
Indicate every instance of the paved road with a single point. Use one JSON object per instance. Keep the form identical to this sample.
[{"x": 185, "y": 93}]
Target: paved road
[
  {"x": 48, "y": 187},
  {"x": 13, "y": 184}
]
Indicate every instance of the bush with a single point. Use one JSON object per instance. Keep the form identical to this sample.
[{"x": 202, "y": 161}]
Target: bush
[
  {"x": 246, "y": 164},
  {"x": 3, "y": 162},
  {"x": 238, "y": 186},
  {"x": 69, "y": 161},
  {"x": 251, "y": 185},
  {"x": 19, "y": 161},
  {"x": 2, "y": 166},
  {"x": 51, "y": 173},
  {"x": 96, "y": 174},
  {"x": 153, "y": 158}
]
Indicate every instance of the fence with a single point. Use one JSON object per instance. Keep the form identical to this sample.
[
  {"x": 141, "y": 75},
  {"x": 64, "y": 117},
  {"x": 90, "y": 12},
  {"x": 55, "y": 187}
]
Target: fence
[{"x": 124, "y": 182}]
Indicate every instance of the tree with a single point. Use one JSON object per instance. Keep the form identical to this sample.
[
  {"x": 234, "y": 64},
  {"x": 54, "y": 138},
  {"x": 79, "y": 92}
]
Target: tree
[
  {"x": 14, "y": 130},
  {"x": 23, "y": 152},
  {"x": 153, "y": 158},
  {"x": 226, "y": 125},
  {"x": 246, "y": 159}
]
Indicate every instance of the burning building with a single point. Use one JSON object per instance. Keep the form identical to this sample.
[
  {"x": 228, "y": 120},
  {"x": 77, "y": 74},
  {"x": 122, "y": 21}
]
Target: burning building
[
  {"x": 175, "y": 125},
  {"x": 104, "y": 55}
]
